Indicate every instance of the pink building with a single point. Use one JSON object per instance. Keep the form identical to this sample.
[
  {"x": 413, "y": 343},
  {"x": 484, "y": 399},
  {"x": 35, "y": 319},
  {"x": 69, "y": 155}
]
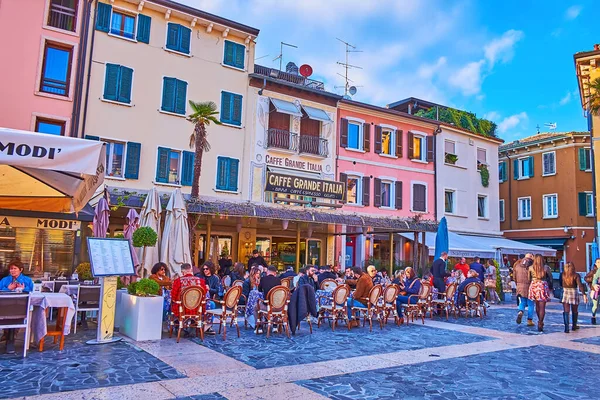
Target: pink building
[
  {"x": 387, "y": 159},
  {"x": 40, "y": 84}
]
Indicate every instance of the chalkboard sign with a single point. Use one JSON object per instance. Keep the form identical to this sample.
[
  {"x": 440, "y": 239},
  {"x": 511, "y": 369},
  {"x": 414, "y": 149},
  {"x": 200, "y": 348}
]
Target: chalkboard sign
[{"x": 110, "y": 257}]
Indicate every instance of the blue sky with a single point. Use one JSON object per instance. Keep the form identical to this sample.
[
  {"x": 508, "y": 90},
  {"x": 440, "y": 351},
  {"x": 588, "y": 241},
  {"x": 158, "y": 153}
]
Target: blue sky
[{"x": 510, "y": 61}]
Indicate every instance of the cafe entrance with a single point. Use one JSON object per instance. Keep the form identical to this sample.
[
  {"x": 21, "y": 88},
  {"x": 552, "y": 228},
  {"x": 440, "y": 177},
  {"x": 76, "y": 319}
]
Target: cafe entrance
[{"x": 281, "y": 251}]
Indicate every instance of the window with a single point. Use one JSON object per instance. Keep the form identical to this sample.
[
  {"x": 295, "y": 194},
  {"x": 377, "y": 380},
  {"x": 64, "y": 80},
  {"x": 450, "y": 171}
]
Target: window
[
  {"x": 550, "y": 202},
  {"x": 63, "y": 14},
  {"x": 227, "y": 174},
  {"x": 168, "y": 169},
  {"x": 354, "y": 133},
  {"x": 49, "y": 126},
  {"x": 386, "y": 194},
  {"x": 449, "y": 201},
  {"x": 234, "y": 54},
  {"x": 501, "y": 211},
  {"x": 56, "y": 68},
  {"x": 524, "y": 208},
  {"x": 450, "y": 152},
  {"x": 523, "y": 168},
  {"x": 585, "y": 159},
  {"x": 353, "y": 190},
  {"x": 419, "y": 200},
  {"x": 115, "y": 152},
  {"x": 231, "y": 108},
  {"x": 481, "y": 156},
  {"x": 502, "y": 171},
  {"x": 178, "y": 38},
  {"x": 482, "y": 206},
  {"x": 174, "y": 96},
  {"x": 418, "y": 148},
  {"x": 549, "y": 163},
  {"x": 118, "y": 82},
  {"x": 586, "y": 204},
  {"x": 386, "y": 142},
  {"x": 122, "y": 24}
]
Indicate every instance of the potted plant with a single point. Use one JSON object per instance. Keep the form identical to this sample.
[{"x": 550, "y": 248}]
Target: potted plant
[
  {"x": 142, "y": 308},
  {"x": 450, "y": 158},
  {"x": 143, "y": 237},
  {"x": 84, "y": 272}
]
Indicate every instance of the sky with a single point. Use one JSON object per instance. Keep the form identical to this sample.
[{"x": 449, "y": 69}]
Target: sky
[{"x": 509, "y": 61}]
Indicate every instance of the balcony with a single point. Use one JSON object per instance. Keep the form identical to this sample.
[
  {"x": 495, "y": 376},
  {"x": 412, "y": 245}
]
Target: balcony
[
  {"x": 281, "y": 139},
  {"x": 62, "y": 17},
  {"x": 294, "y": 143},
  {"x": 314, "y": 145},
  {"x": 288, "y": 77}
]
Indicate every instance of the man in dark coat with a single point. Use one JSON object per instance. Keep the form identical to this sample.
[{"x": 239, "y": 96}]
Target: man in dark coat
[
  {"x": 256, "y": 259},
  {"x": 326, "y": 274},
  {"x": 289, "y": 272},
  {"x": 438, "y": 270}
]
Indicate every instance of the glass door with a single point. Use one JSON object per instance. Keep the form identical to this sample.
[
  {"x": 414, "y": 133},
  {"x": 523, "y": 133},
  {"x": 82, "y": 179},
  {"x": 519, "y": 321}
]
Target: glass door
[{"x": 313, "y": 253}]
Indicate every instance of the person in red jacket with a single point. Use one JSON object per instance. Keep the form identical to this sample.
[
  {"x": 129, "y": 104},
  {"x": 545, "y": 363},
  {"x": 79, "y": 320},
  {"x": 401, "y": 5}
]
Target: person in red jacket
[
  {"x": 463, "y": 266},
  {"x": 186, "y": 279}
]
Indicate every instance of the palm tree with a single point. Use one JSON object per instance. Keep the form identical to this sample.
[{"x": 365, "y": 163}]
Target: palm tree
[
  {"x": 203, "y": 114},
  {"x": 594, "y": 100}
]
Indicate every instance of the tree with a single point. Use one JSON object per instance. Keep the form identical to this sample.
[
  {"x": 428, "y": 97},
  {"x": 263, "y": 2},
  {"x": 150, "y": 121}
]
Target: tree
[
  {"x": 203, "y": 114},
  {"x": 594, "y": 100}
]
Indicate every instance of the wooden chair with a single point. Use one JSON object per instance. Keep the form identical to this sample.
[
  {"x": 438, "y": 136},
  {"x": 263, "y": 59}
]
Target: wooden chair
[
  {"x": 446, "y": 302},
  {"x": 88, "y": 299},
  {"x": 328, "y": 284},
  {"x": 388, "y": 303},
  {"x": 287, "y": 282},
  {"x": 241, "y": 307},
  {"x": 372, "y": 310},
  {"x": 228, "y": 308},
  {"x": 473, "y": 300},
  {"x": 337, "y": 310},
  {"x": 192, "y": 311},
  {"x": 226, "y": 281},
  {"x": 276, "y": 313},
  {"x": 423, "y": 303},
  {"x": 15, "y": 311}
]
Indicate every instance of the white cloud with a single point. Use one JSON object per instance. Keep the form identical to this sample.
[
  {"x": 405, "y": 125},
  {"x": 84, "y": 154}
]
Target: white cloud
[
  {"x": 511, "y": 122},
  {"x": 492, "y": 116},
  {"x": 565, "y": 99},
  {"x": 573, "y": 12},
  {"x": 502, "y": 48},
  {"x": 427, "y": 71},
  {"x": 468, "y": 79}
]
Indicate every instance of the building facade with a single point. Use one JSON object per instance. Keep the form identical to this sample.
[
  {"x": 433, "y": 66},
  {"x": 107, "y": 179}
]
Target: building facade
[{"x": 546, "y": 195}]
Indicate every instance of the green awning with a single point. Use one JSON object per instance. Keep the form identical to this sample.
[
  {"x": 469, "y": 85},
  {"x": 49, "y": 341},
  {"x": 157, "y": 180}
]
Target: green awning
[{"x": 555, "y": 243}]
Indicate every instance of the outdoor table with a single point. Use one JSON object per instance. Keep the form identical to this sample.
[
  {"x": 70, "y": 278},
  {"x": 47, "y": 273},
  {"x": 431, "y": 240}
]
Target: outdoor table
[
  {"x": 42, "y": 301},
  {"x": 253, "y": 297}
]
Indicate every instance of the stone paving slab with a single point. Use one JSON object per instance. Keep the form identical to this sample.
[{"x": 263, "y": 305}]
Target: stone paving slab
[
  {"x": 525, "y": 373},
  {"x": 210, "y": 396},
  {"x": 591, "y": 340}
]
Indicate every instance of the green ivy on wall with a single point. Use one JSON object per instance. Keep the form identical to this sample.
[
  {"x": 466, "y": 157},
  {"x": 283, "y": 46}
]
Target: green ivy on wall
[
  {"x": 463, "y": 119},
  {"x": 485, "y": 175}
]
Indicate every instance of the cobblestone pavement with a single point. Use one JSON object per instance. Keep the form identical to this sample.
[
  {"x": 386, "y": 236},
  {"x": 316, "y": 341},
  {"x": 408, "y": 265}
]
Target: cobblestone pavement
[{"x": 461, "y": 358}]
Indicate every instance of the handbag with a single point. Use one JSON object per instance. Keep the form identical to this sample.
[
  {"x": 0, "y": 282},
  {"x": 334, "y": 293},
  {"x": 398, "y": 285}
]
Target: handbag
[{"x": 490, "y": 283}]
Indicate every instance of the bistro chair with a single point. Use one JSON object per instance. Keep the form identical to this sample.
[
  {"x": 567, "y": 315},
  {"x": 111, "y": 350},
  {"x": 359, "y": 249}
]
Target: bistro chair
[
  {"x": 276, "y": 313},
  {"x": 15, "y": 311},
  {"x": 473, "y": 302},
  {"x": 446, "y": 300},
  {"x": 388, "y": 303},
  {"x": 422, "y": 305},
  {"x": 287, "y": 282},
  {"x": 337, "y": 310},
  {"x": 226, "y": 281},
  {"x": 328, "y": 284},
  {"x": 229, "y": 306},
  {"x": 241, "y": 307},
  {"x": 88, "y": 299},
  {"x": 372, "y": 310},
  {"x": 192, "y": 311}
]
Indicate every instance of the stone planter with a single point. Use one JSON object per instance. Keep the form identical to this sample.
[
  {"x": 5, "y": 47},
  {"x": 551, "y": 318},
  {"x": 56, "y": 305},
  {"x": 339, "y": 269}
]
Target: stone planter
[{"x": 141, "y": 317}]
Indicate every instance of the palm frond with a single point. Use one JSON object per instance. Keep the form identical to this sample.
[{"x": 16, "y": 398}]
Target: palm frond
[{"x": 594, "y": 99}]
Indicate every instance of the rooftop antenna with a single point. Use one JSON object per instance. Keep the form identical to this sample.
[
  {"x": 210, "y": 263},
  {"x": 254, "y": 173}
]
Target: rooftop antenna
[
  {"x": 280, "y": 56},
  {"x": 538, "y": 128},
  {"x": 349, "y": 49},
  {"x": 551, "y": 125}
]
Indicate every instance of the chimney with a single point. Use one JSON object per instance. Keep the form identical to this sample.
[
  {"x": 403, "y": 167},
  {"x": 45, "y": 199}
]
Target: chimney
[{"x": 596, "y": 47}]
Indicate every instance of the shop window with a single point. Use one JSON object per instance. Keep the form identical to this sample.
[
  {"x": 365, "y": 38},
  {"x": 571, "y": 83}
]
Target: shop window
[
  {"x": 524, "y": 204},
  {"x": 550, "y": 202},
  {"x": 56, "y": 69},
  {"x": 49, "y": 126}
]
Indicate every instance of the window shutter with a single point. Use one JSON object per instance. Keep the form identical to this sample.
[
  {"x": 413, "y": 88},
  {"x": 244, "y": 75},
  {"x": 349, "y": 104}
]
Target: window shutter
[
  {"x": 103, "y": 17},
  {"x": 143, "y": 28},
  {"x": 229, "y": 56},
  {"x": 187, "y": 168},
  {"x": 377, "y": 192},
  {"x": 502, "y": 174},
  {"x": 240, "y": 54},
  {"x": 233, "y": 174},
  {"x": 552, "y": 158},
  {"x": 237, "y": 110},
  {"x": 398, "y": 195},
  {"x": 162, "y": 165},
  {"x": 226, "y": 100},
  {"x": 582, "y": 159},
  {"x": 172, "y": 36},
  {"x": 185, "y": 37},
  {"x": 399, "y": 143},
  {"x": 516, "y": 169},
  {"x": 366, "y": 137},
  {"x": 343, "y": 133},
  {"x": 111, "y": 80},
  {"x": 125, "y": 85},
  {"x": 530, "y": 167},
  {"x": 168, "y": 98},
  {"x": 430, "y": 157},
  {"x": 366, "y": 190},
  {"x": 377, "y": 139},
  {"x": 222, "y": 164},
  {"x": 132, "y": 162},
  {"x": 411, "y": 145},
  {"x": 582, "y": 203},
  {"x": 419, "y": 198},
  {"x": 90, "y": 137},
  {"x": 344, "y": 179},
  {"x": 180, "y": 96}
]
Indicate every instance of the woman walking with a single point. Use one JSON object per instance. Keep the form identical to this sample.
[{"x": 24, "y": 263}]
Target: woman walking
[
  {"x": 571, "y": 283},
  {"x": 539, "y": 292},
  {"x": 490, "y": 283},
  {"x": 592, "y": 279}
]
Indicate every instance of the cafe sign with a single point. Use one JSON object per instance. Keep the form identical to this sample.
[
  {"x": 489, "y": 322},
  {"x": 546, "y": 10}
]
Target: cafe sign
[
  {"x": 39, "y": 223},
  {"x": 299, "y": 186},
  {"x": 286, "y": 162}
]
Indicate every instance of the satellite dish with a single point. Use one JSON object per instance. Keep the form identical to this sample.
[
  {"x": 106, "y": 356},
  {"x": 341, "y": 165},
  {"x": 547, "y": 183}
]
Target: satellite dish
[
  {"x": 306, "y": 70},
  {"x": 347, "y": 97},
  {"x": 352, "y": 90}
]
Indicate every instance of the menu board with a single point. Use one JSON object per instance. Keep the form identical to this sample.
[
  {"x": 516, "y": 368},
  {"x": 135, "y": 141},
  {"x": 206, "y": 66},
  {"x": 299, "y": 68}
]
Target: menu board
[{"x": 110, "y": 257}]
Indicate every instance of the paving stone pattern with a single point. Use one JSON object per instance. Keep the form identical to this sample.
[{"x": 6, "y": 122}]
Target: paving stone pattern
[
  {"x": 593, "y": 340},
  {"x": 210, "y": 396},
  {"x": 527, "y": 373}
]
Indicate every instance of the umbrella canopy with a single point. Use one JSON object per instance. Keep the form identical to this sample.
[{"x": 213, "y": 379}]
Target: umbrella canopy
[
  {"x": 595, "y": 255},
  {"x": 41, "y": 172},
  {"x": 175, "y": 246},
  {"x": 150, "y": 216},
  {"x": 100, "y": 224},
  {"x": 132, "y": 222},
  {"x": 442, "y": 243}
]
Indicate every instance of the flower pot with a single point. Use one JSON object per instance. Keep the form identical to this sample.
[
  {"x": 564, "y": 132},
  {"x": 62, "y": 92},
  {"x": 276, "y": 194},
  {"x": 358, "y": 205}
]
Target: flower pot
[
  {"x": 141, "y": 317},
  {"x": 119, "y": 307}
]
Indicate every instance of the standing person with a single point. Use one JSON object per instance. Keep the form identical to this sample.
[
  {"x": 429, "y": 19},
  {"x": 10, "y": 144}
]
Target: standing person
[
  {"x": 256, "y": 259},
  {"x": 479, "y": 268},
  {"x": 438, "y": 270},
  {"x": 538, "y": 290},
  {"x": 490, "y": 282},
  {"x": 522, "y": 280},
  {"x": 225, "y": 265},
  {"x": 14, "y": 282},
  {"x": 462, "y": 266},
  {"x": 592, "y": 280},
  {"x": 571, "y": 284}
]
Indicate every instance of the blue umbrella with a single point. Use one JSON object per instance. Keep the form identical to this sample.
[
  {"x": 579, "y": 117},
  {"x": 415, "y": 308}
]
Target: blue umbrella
[
  {"x": 594, "y": 255},
  {"x": 441, "y": 239}
]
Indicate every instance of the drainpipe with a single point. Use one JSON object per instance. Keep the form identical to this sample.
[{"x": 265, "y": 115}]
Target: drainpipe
[
  {"x": 435, "y": 175},
  {"x": 89, "y": 74},
  {"x": 85, "y": 15}
]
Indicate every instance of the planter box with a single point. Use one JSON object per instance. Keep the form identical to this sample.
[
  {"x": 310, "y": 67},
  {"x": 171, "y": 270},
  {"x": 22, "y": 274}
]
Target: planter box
[
  {"x": 141, "y": 317},
  {"x": 119, "y": 308}
]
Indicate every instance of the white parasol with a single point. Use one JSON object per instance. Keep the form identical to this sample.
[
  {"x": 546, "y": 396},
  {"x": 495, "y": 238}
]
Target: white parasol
[
  {"x": 150, "y": 216},
  {"x": 175, "y": 246}
]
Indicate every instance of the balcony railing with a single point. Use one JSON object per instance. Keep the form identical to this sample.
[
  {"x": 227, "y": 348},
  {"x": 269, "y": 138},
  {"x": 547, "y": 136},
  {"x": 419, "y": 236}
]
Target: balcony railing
[
  {"x": 302, "y": 144},
  {"x": 282, "y": 139},
  {"x": 288, "y": 77},
  {"x": 62, "y": 17},
  {"x": 314, "y": 145}
]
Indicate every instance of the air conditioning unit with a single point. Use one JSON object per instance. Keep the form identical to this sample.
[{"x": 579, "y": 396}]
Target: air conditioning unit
[{"x": 471, "y": 142}]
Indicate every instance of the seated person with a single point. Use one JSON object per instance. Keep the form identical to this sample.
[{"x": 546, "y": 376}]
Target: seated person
[
  {"x": 186, "y": 279},
  {"x": 326, "y": 274},
  {"x": 289, "y": 272},
  {"x": 250, "y": 283},
  {"x": 399, "y": 277},
  {"x": 14, "y": 282},
  {"x": 349, "y": 278},
  {"x": 239, "y": 270},
  {"x": 310, "y": 278},
  {"x": 211, "y": 279},
  {"x": 159, "y": 275},
  {"x": 372, "y": 272},
  {"x": 412, "y": 286},
  {"x": 363, "y": 286},
  {"x": 472, "y": 277},
  {"x": 269, "y": 281}
]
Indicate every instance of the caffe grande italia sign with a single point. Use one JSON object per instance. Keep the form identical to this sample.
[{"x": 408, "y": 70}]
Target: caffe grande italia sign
[
  {"x": 295, "y": 185},
  {"x": 294, "y": 164}
]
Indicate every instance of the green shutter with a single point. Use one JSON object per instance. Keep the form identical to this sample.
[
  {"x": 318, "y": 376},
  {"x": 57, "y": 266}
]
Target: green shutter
[
  {"x": 222, "y": 164},
  {"x": 111, "y": 81},
  {"x": 582, "y": 197},
  {"x": 516, "y": 169},
  {"x": 173, "y": 36},
  {"x": 187, "y": 173},
  {"x": 132, "y": 161},
  {"x": 240, "y": 55},
  {"x": 90, "y": 137},
  {"x": 226, "y": 107},
  {"x": 103, "y": 14},
  {"x": 233, "y": 175},
  {"x": 180, "y": 97},
  {"x": 185, "y": 36},
  {"x": 125, "y": 85},
  {"x": 503, "y": 171},
  {"x": 229, "y": 56},
  {"x": 583, "y": 160},
  {"x": 530, "y": 167},
  {"x": 168, "y": 97},
  {"x": 237, "y": 110},
  {"x": 162, "y": 165},
  {"x": 143, "y": 28}
]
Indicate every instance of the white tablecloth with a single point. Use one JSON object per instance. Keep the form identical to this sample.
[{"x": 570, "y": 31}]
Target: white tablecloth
[{"x": 42, "y": 301}]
